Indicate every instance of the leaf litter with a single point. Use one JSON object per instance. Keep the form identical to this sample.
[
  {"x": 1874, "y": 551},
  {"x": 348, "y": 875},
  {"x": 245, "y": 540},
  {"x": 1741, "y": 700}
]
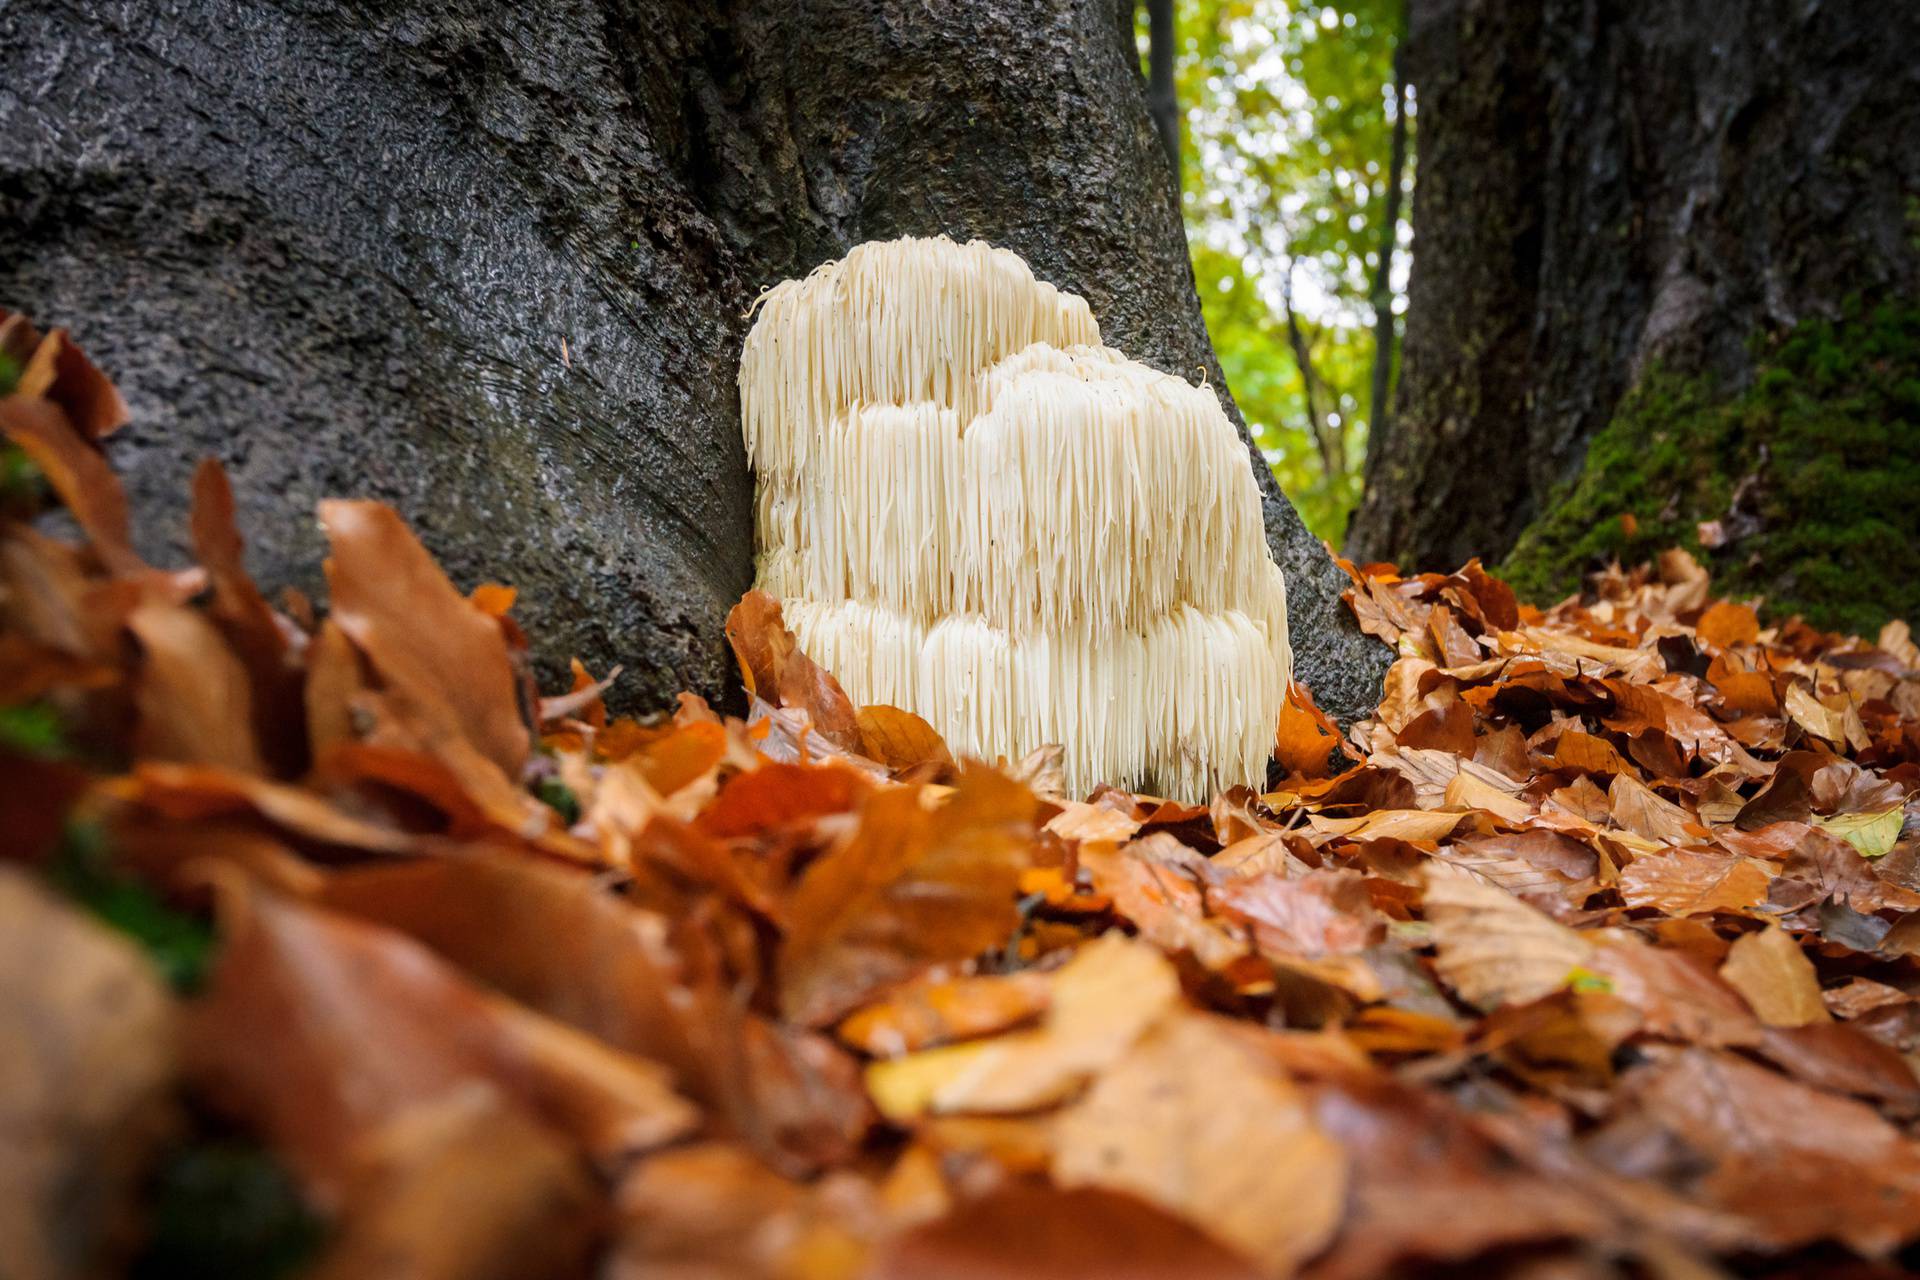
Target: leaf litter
[{"x": 1592, "y": 953}]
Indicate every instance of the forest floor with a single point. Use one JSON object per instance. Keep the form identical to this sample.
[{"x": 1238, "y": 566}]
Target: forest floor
[{"x": 1593, "y": 953}]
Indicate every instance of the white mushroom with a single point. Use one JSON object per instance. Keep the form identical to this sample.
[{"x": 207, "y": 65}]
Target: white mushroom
[{"x": 971, "y": 509}]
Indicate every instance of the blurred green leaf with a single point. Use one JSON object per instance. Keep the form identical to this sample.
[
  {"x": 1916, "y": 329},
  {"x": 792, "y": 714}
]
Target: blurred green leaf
[{"x": 179, "y": 944}]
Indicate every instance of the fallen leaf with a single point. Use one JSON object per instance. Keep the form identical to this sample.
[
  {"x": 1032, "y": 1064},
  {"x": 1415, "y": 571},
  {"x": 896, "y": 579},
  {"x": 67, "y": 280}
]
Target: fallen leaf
[
  {"x": 776, "y": 670},
  {"x": 1775, "y": 976},
  {"x": 1493, "y": 948},
  {"x": 1084, "y": 1233},
  {"x": 1258, "y": 1175},
  {"x": 1799, "y": 1164},
  {"x": 1305, "y": 740},
  {"x": 464, "y": 1187},
  {"x": 320, "y": 1031},
  {"x": 438, "y": 652},
  {"x": 908, "y": 890},
  {"x": 1873, "y": 834},
  {"x": 1103, "y": 1000},
  {"x": 1726, "y": 624},
  {"x": 929, "y": 1012},
  {"x": 899, "y": 739},
  {"x": 1689, "y": 882}
]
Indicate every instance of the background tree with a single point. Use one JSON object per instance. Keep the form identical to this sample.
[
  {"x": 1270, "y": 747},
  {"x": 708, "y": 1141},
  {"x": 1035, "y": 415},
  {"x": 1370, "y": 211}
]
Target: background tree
[
  {"x": 1291, "y": 197},
  {"x": 1680, "y": 245},
  {"x": 490, "y": 262}
]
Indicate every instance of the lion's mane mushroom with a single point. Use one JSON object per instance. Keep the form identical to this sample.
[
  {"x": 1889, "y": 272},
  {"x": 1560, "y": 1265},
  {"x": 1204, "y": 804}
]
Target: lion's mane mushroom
[{"x": 970, "y": 508}]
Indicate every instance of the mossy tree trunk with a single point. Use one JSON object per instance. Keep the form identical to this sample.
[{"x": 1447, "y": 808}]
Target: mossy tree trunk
[
  {"x": 489, "y": 262},
  {"x": 1622, "y": 194}
]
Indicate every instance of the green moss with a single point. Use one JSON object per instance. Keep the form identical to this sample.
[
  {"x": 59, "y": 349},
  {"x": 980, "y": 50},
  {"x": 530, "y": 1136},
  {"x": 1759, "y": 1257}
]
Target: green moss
[
  {"x": 1823, "y": 449},
  {"x": 225, "y": 1207}
]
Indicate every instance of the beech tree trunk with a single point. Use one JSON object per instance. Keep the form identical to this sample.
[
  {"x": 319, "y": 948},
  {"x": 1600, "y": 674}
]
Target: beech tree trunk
[
  {"x": 1609, "y": 187},
  {"x": 489, "y": 262}
]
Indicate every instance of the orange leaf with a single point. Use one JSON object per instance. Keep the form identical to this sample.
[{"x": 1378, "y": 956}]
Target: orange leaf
[
  {"x": 1726, "y": 624},
  {"x": 908, "y": 890},
  {"x": 1306, "y": 739},
  {"x": 444, "y": 658},
  {"x": 899, "y": 739},
  {"x": 775, "y": 670}
]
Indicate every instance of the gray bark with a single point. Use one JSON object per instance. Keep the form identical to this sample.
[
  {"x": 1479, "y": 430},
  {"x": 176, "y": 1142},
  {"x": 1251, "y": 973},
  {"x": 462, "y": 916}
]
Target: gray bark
[
  {"x": 341, "y": 245},
  {"x": 1609, "y": 184}
]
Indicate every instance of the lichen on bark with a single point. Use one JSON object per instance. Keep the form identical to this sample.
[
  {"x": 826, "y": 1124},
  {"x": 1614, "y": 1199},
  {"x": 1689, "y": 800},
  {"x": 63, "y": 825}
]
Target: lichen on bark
[{"x": 1810, "y": 469}]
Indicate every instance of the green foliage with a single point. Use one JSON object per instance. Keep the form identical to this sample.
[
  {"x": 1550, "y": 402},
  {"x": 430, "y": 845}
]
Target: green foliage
[
  {"x": 23, "y": 487},
  {"x": 1823, "y": 449},
  {"x": 226, "y": 1208},
  {"x": 180, "y": 945},
  {"x": 1287, "y": 131},
  {"x": 33, "y": 730},
  {"x": 559, "y": 797}
]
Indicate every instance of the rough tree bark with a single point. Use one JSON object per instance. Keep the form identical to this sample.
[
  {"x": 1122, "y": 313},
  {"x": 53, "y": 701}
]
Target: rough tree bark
[
  {"x": 341, "y": 245},
  {"x": 1607, "y": 187}
]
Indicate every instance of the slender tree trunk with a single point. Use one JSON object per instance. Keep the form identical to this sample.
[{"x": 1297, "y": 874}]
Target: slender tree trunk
[
  {"x": 1162, "y": 100},
  {"x": 1331, "y": 455},
  {"x": 1380, "y": 424},
  {"x": 1612, "y": 187}
]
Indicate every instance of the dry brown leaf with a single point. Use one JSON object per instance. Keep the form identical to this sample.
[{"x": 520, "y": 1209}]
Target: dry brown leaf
[
  {"x": 319, "y": 1031},
  {"x": 87, "y": 1064},
  {"x": 194, "y": 696},
  {"x": 906, "y": 891},
  {"x": 933, "y": 1011},
  {"x": 1103, "y": 1000},
  {"x": 1775, "y": 976},
  {"x": 1689, "y": 882},
  {"x": 1799, "y": 1164},
  {"x": 464, "y": 1187},
  {"x": 1635, "y": 807},
  {"x": 440, "y": 655},
  {"x": 1322, "y": 913},
  {"x": 1305, "y": 739},
  {"x": 899, "y": 739},
  {"x": 1258, "y": 1174},
  {"x": 1727, "y": 624},
  {"x": 78, "y": 472},
  {"x": 1493, "y": 948},
  {"x": 776, "y": 671},
  {"x": 1025, "y": 1229},
  {"x": 1163, "y": 902}
]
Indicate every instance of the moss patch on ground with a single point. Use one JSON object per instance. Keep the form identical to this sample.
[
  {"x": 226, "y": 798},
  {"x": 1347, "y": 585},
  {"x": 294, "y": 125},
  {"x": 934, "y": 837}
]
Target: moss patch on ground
[{"x": 1812, "y": 471}]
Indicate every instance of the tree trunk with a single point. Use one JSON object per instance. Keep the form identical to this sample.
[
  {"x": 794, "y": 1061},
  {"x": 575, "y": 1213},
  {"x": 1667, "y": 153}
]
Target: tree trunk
[
  {"x": 1614, "y": 189},
  {"x": 1380, "y": 424},
  {"x": 490, "y": 262},
  {"x": 1161, "y": 98}
]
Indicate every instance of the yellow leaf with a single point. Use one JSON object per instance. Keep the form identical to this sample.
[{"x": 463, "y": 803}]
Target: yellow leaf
[{"x": 1873, "y": 834}]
